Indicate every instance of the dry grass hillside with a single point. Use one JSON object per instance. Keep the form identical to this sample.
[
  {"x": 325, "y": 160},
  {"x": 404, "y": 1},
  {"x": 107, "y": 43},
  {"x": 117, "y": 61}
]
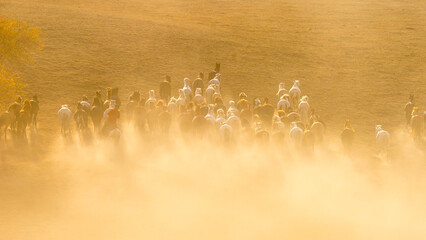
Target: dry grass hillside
[{"x": 356, "y": 60}]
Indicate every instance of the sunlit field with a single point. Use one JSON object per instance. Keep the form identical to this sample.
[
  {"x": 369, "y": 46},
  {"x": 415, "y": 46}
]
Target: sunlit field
[{"x": 356, "y": 60}]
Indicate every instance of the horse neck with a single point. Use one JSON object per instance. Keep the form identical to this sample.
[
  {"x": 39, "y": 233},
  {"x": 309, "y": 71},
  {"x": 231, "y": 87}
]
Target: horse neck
[{"x": 381, "y": 132}]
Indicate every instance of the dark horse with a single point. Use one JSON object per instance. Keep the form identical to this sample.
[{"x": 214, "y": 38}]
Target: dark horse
[
  {"x": 96, "y": 113},
  {"x": 34, "y": 111},
  {"x": 24, "y": 119}
]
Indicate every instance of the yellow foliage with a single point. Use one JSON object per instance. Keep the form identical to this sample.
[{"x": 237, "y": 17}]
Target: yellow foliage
[
  {"x": 10, "y": 86},
  {"x": 18, "y": 40}
]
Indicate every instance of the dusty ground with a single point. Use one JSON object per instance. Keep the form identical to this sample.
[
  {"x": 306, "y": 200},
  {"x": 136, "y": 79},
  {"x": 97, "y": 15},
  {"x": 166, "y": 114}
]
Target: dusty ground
[{"x": 356, "y": 60}]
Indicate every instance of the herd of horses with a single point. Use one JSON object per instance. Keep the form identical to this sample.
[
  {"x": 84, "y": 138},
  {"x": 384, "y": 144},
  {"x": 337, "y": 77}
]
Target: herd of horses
[
  {"x": 199, "y": 110},
  {"x": 19, "y": 116}
]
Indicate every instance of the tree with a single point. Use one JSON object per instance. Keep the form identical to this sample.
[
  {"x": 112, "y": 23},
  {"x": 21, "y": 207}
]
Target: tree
[
  {"x": 18, "y": 42},
  {"x": 10, "y": 86}
]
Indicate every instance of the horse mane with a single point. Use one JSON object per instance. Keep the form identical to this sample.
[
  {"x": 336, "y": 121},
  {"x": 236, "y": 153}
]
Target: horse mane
[
  {"x": 186, "y": 82},
  {"x": 378, "y": 128}
]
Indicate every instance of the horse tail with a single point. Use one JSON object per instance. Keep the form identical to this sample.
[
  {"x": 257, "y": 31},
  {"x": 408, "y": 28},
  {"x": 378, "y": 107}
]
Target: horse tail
[
  {"x": 65, "y": 119},
  {"x": 63, "y": 122}
]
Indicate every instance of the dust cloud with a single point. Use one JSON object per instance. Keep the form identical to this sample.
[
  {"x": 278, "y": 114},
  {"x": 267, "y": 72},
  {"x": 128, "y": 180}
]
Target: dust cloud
[
  {"x": 356, "y": 59},
  {"x": 199, "y": 189}
]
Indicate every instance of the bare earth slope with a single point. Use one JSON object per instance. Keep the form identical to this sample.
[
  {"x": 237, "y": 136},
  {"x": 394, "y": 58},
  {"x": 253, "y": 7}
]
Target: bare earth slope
[{"x": 356, "y": 59}]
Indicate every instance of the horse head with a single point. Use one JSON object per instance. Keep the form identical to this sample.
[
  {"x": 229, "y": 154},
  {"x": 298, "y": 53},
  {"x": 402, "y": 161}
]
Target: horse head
[
  {"x": 181, "y": 93},
  {"x": 186, "y": 82},
  {"x": 378, "y": 128},
  {"x": 231, "y": 103},
  {"x": 296, "y": 83},
  {"x": 220, "y": 113},
  {"x": 151, "y": 94}
]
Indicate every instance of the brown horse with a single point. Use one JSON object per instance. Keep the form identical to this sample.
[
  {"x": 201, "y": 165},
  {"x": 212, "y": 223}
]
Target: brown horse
[
  {"x": 24, "y": 119},
  {"x": 34, "y": 111},
  {"x": 14, "y": 109},
  {"x": 96, "y": 114},
  {"x": 164, "y": 122},
  {"x": 166, "y": 89}
]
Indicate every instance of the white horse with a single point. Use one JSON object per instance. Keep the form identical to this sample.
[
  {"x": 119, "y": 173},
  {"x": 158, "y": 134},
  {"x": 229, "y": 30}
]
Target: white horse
[
  {"x": 281, "y": 90},
  {"x": 283, "y": 104},
  {"x": 209, "y": 94},
  {"x": 151, "y": 99},
  {"x": 233, "y": 109},
  {"x": 220, "y": 118},
  {"x": 296, "y": 135},
  {"x": 187, "y": 89},
  {"x": 382, "y": 140},
  {"x": 181, "y": 99},
  {"x": 225, "y": 132},
  {"x": 172, "y": 106},
  {"x": 304, "y": 110},
  {"x": 210, "y": 115},
  {"x": 86, "y": 105},
  {"x": 234, "y": 121},
  {"x": 216, "y": 93},
  {"x": 198, "y": 98},
  {"x": 215, "y": 80},
  {"x": 295, "y": 94},
  {"x": 64, "y": 116}
]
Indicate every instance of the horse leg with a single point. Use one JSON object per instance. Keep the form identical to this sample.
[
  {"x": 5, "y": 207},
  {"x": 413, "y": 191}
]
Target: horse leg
[
  {"x": 32, "y": 121},
  {"x": 27, "y": 124},
  {"x": 18, "y": 129},
  {"x": 62, "y": 128},
  {"x": 35, "y": 122},
  {"x": 12, "y": 124},
  {"x": 24, "y": 131},
  {"x": 4, "y": 132}
]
